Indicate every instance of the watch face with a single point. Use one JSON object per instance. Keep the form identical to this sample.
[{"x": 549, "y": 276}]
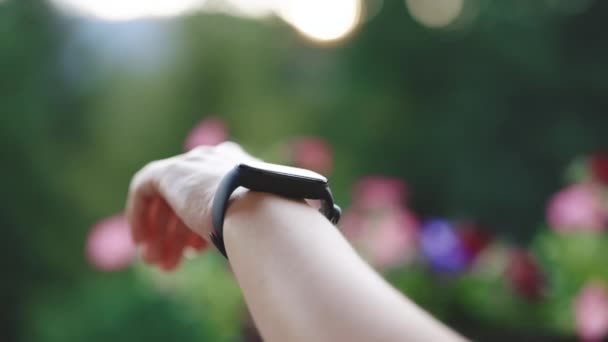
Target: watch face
[{"x": 285, "y": 171}]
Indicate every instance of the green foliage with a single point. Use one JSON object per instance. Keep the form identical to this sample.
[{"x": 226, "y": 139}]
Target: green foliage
[
  {"x": 570, "y": 261},
  {"x": 205, "y": 289},
  {"x": 480, "y": 122},
  {"x": 111, "y": 307}
]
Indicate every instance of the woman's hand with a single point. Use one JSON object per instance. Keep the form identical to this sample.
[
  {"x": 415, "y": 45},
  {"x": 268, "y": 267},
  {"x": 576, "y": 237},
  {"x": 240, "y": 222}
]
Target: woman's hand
[
  {"x": 169, "y": 204},
  {"x": 301, "y": 279}
]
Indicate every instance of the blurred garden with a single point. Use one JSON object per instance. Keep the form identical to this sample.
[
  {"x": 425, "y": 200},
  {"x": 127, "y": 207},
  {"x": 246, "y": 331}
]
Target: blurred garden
[{"x": 465, "y": 139}]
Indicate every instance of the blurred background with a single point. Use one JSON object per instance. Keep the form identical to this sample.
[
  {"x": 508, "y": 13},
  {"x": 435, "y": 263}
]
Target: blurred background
[{"x": 465, "y": 138}]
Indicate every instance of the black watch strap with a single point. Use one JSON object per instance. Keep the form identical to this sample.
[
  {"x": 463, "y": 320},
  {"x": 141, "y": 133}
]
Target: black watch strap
[
  {"x": 230, "y": 183},
  {"x": 328, "y": 208},
  {"x": 220, "y": 203}
]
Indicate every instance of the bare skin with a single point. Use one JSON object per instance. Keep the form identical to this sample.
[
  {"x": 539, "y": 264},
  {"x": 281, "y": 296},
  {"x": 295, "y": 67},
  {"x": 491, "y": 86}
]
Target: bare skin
[{"x": 301, "y": 279}]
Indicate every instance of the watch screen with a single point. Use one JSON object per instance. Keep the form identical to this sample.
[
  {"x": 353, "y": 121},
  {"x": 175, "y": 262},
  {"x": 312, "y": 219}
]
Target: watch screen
[{"x": 285, "y": 170}]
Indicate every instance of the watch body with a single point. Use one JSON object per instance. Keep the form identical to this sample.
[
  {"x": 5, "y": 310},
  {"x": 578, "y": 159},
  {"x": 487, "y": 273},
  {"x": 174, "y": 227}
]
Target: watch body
[{"x": 290, "y": 182}]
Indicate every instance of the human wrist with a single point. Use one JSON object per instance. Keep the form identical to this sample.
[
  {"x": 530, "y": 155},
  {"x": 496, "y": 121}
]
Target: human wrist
[
  {"x": 253, "y": 204},
  {"x": 257, "y": 217}
]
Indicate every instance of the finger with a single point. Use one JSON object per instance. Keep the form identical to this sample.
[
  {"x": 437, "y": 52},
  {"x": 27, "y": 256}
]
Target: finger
[
  {"x": 141, "y": 191},
  {"x": 137, "y": 217},
  {"x": 157, "y": 227},
  {"x": 150, "y": 228},
  {"x": 175, "y": 253},
  {"x": 196, "y": 242},
  {"x": 168, "y": 243},
  {"x": 163, "y": 238}
]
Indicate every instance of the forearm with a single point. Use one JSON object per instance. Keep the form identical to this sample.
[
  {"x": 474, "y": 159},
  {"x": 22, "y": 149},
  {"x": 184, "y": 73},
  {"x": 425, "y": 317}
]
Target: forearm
[{"x": 303, "y": 282}]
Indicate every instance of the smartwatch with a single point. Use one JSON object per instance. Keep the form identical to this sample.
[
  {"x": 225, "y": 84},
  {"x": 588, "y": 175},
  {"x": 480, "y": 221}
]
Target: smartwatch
[{"x": 290, "y": 182}]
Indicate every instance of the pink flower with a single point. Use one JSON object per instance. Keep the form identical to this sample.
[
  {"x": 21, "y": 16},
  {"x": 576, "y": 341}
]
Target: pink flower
[
  {"x": 109, "y": 246},
  {"x": 378, "y": 224},
  {"x": 210, "y": 131},
  {"x": 386, "y": 240},
  {"x": 352, "y": 224},
  {"x": 312, "y": 153},
  {"x": 577, "y": 207},
  {"x": 379, "y": 192},
  {"x": 591, "y": 312}
]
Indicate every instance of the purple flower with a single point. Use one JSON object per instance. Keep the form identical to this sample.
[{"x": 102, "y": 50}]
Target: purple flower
[{"x": 441, "y": 246}]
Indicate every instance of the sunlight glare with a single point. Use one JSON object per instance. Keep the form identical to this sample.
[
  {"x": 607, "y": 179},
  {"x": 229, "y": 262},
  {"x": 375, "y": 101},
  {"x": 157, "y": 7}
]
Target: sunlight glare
[
  {"x": 253, "y": 8},
  {"x": 121, "y": 10},
  {"x": 321, "y": 20}
]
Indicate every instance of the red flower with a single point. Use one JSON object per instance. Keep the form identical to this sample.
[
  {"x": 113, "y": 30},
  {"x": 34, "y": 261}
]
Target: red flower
[
  {"x": 598, "y": 164},
  {"x": 524, "y": 274},
  {"x": 210, "y": 131},
  {"x": 474, "y": 239},
  {"x": 312, "y": 153},
  {"x": 591, "y": 312},
  {"x": 109, "y": 246}
]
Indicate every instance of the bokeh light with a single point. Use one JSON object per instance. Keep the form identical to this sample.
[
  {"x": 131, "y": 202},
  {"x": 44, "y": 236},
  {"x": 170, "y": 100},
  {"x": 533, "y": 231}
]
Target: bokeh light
[
  {"x": 317, "y": 20},
  {"x": 371, "y": 9},
  {"x": 435, "y": 13},
  {"x": 320, "y": 20},
  {"x": 119, "y": 10},
  {"x": 250, "y": 8}
]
